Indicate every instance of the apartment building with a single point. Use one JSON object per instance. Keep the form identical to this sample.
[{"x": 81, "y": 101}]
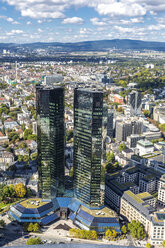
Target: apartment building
[{"x": 134, "y": 207}]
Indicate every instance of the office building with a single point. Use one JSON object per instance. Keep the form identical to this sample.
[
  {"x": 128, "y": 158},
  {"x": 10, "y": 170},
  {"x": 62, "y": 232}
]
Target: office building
[
  {"x": 110, "y": 129},
  {"x": 52, "y": 79},
  {"x": 133, "y": 139},
  {"x": 145, "y": 147},
  {"x": 128, "y": 127},
  {"x": 134, "y": 103},
  {"x": 89, "y": 144},
  {"x": 50, "y": 134}
]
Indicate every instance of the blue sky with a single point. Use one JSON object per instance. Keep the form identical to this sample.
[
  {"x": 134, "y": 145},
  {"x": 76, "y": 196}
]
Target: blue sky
[{"x": 24, "y": 21}]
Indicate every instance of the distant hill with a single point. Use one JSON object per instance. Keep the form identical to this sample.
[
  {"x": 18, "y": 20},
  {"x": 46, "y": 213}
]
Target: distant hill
[{"x": 100, "y": 45}]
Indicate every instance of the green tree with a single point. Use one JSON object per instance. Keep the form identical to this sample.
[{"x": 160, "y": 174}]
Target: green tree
[
  {"x": 71, "y": 172},
  {"x": 36, "y": 227},
  {"x": 124, "y": 229},
  {"x": 33, "y": 156},
  {"x": 147, "y": 113},
  {"x": 26, "y": 158},
  {"x": 29, "y": 192},
  {"x": 94, "y": 235},
  {"x": 32, "y": 137},
  {"x": 20, "y": 190},
  {"x": 114, "y": 233},
  {"x": 12, "y": 190},
  {"x": 25, "y": 227},
  {"x": 2, "y": 223},
  {"x": 27, "y": 132},
  {"x": 162, "y": 127},
  {"x": 148, "y": 245},
  {"x": 110, "y": 157},
  {"x": 30, "y": 227},
  {"x": 82, "y": 234},
  {"x": 20, "y": 158},
  {"x": 34, "y": 241},
  {"x": 121, "y": 147},
  {"x": 163, "y": 243},
  {"x": 69, "y": 134},
  {"x": 13, "y": 136},
  {"x": 108, "y": 234},
  {"x": 136, "y": 230},
  {"x": 22, "y": 145}
]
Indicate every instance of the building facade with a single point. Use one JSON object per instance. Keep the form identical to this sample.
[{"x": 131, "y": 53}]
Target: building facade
[
  {"x": 134, "y": 102},
  {"x": 50, "y": 134},
  {"x": 110, "y": 124},
  {"x": 89, "y": 144},
  {"x": 128, "y": 127}
]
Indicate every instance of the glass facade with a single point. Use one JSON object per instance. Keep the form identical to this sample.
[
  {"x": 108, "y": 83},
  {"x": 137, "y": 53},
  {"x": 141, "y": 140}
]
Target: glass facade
[
  {"x": 50, "y": 135},
  {"x": 89, "y": 144}
]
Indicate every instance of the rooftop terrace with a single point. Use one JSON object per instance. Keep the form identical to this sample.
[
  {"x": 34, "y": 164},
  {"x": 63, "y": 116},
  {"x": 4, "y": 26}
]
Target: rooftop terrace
[
  {"x": 104, "y": 212},
  {"x": 144, "y": 195},
  {"x": 33, "y": 203}
]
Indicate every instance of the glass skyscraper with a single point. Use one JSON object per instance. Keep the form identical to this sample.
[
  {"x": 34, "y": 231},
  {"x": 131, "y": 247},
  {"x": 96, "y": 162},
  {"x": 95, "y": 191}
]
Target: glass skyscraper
[
  {"x": 50, "y": 135},
  {"x": 89, "y": 144}
]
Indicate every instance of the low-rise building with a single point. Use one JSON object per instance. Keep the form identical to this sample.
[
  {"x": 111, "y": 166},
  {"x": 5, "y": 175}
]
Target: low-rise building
[{"x": 145, "y": 147}]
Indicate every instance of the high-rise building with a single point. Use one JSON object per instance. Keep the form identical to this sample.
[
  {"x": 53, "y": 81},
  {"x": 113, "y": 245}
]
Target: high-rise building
[
  {"x": 50, "y": 135},
  {"x": 110, "y": 124},
  {"x": 52, "y": 79},
  {"x": 128, "y": 127},
  {"x": 89, "y": 144},
  {"x": 134, "y": 102}
]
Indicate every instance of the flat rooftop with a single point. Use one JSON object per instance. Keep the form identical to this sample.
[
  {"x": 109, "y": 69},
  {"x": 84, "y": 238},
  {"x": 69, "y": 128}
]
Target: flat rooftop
[
  {"x": 33, "y": 203},
  {"x": 144, "y": 195},
  {"x": 145, "y": 143},
  {"x": 104, "y": 212}
]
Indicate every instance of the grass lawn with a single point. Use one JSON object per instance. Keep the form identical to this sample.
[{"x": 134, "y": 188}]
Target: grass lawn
[{"x": 5, "y": 207}]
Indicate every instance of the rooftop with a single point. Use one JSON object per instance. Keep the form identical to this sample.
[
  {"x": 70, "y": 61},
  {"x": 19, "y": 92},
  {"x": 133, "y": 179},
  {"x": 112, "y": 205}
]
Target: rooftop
[
  {"x": 135, "y": 197},
  {"x": 33, "y": 203},
  {"x": 145, "y": 143},
  {"x": 144, "y": 195},
  {"x": 159, "y": 217},
  {"x": 104, "y": 212}
]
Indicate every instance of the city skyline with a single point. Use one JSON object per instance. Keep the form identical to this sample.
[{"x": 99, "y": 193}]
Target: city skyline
[{"x": 65, "y": 21}]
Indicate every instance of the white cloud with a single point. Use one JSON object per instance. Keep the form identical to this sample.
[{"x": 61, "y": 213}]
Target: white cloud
[
  {"x": 14, "y": 32},
  {"x": 73, "y": 20},
  {"x": 85, "y": 31},
  {"x": 39, "y": 21},
  {"x": 156, "y": 27},
  {"x": 28, "y": 23},
  {"x": 121, "y": 9},
  {"x": 39, "y": 30},
  {"x": 124, "y": 29},
  {"x": 97, "y": 22},
  {"x": 40, "y": 9},
  {"x": 9, "y": 19},
  {"x": 56, "y": 8}
]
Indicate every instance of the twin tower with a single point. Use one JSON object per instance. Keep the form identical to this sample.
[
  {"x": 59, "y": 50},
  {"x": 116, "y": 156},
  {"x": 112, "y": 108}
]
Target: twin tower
[{"x": 90, "y": 125}]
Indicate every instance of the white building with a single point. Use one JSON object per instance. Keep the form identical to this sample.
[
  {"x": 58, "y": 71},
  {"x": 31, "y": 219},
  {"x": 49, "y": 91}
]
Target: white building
[
  {"x": 161, "y": 195},
  {"x": 145, "y": 147}
]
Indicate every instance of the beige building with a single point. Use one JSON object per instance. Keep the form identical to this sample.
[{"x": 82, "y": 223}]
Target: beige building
[
  {"x": 140, "y": 207},
  {"x": 136, "y": 207}
]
